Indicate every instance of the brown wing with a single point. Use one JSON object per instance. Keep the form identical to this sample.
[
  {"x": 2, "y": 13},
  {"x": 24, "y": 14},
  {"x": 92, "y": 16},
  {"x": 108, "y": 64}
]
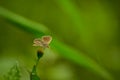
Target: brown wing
[{"x": 46, "y": 39}]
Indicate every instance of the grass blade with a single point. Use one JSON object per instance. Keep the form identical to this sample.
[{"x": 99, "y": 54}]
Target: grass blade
[{"x": 21, "y": 22}]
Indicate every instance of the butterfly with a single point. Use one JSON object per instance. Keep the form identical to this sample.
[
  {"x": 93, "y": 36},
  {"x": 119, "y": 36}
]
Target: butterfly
[{"x": 43, "y": 42}]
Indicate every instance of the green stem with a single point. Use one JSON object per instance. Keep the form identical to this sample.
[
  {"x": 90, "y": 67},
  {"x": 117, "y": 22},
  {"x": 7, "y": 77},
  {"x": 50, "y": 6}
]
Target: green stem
[{"x": 37, "y": 62}]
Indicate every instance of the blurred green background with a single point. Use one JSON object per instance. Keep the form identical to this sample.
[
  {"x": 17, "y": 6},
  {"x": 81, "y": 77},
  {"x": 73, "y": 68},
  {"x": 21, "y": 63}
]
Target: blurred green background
[{"x": 89, "y": 28}]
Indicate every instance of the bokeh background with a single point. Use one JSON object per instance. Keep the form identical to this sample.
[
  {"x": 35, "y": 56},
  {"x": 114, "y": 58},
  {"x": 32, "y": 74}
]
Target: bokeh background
[{"x": 88, "y": 26}]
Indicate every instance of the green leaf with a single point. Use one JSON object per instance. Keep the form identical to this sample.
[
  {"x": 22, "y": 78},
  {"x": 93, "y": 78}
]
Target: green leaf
[
  {"x": 23, "y": 23},
  {"x": 13, "y": 74}
]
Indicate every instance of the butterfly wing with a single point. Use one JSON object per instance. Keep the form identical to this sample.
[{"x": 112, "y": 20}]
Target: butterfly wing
[
  {"x": 46, "y": 39},
  {"x": 37, "y": 42},
  {"x": 43, "y": 42}
]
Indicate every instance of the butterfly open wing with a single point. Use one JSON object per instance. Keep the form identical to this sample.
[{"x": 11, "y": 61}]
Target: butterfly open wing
[{"x": 43, "y": 42}]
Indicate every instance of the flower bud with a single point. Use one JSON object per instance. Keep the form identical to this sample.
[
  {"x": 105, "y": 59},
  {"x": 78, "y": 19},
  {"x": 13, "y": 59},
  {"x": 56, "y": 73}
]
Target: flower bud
[{"x": 39, "y": 53}]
